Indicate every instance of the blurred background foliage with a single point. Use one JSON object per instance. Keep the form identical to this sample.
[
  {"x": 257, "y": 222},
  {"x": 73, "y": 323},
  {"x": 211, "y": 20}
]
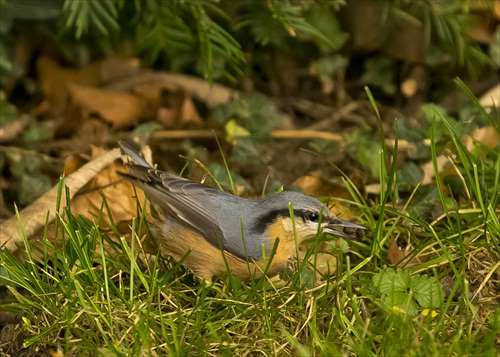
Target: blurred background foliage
[
  {"x": 216, "y": 38},
  {"x": 309, "y": 59}
]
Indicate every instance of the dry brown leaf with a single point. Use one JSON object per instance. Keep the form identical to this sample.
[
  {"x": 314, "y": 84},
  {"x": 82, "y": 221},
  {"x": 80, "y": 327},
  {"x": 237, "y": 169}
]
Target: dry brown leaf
[
  {"x": 115, "y": 67},
  {"x": 491, "y": 98},
  {"x": 174, "y": 108},
  {"x": 488, "y": 136},
  {"x": 189, "y": 114},
  {"x": 120, "y": 197},
  {"x": 151, "y": 93},
  {"x": 53, "y": 80},
  {"x": 73, "y": 163},
  {"x": 315, "y": 185},
  {"x": 401, "y": 259},
  {"x": 119, "y": 109},
  {"x": 35, "y": 215},
  {"x": 428, "y": 169},
  {"x": 121, "y": 204},
  {"x": 210, "y": 94}
]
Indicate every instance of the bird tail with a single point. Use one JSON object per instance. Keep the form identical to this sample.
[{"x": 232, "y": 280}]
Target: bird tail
[{"x": 130, "y": 151}]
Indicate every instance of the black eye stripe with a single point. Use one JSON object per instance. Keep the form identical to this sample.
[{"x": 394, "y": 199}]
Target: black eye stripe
[{"x": 264, "y": 221}]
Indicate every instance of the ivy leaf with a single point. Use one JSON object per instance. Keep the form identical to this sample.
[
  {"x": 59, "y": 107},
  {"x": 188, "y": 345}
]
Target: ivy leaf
[
  {"x": 409, "y": 176},
  {"x": 434, "y": 114}
]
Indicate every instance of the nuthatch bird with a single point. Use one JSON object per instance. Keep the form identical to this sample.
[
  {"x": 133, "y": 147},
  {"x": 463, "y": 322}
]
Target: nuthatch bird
[{"x": 215, "y": 231}]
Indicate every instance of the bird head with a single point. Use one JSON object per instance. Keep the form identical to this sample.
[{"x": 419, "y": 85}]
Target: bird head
[{"x": 306, "y": 216}]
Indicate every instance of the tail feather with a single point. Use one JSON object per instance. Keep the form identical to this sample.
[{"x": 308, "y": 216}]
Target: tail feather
[{"x": 130, "y": 151}]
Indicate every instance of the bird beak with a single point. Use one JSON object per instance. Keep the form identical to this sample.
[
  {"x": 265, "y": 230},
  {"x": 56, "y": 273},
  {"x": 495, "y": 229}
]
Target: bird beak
[{"x": 350, "y": 230}]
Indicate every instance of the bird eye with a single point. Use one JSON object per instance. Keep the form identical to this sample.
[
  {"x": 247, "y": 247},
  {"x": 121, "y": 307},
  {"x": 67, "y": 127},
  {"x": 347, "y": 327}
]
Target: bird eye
[{"x": 313, "y": 217}]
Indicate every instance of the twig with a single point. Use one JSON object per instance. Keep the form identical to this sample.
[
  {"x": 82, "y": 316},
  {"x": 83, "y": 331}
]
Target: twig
[{"x": 275, "y": 134}]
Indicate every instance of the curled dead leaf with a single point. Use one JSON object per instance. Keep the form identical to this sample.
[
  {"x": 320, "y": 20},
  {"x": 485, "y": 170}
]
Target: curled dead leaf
[{"x": 403, "y": 259}]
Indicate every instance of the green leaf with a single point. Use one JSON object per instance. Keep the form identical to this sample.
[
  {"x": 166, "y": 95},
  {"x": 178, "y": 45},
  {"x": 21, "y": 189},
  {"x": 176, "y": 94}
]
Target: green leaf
[
  {"x": 327, "y": 24},
  {"x": 163, "y": 31},
  {"x": 379, "y": 72},
  {"x": 434, "y": 114},
  {"x": 8, "y": 111},
  {"x": 32, "y": 187},
  {"x": 255, "y": 113},
  {"x": 81, "y": 15},
  {"x": 214, "y": 40},
  {"x": 37, "y": 131},
  {"x": 400, "y": 302},
  {"x": 219, "y": 174},
  {"x": 328, "y": 66},
  {"x": 424, "y": 201},
  {"x": 495, "y": 48},
  {"x": 338, "y": 245},
  {"x": 494, "y": 320},
  {"x": 245, "y": 151},
  {"x": 234, "y": 131},
  {"x": 391, "y": 281},
  {"x": 409, "y": 176},
  {"x": 144, "y": 131},
  {"x": 428, "y": 291}
]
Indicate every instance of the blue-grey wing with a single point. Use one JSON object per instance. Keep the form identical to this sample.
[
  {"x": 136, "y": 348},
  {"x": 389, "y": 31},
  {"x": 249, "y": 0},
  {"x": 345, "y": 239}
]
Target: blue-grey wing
[
  {"x": 210, "y": 212},
  {"x": 214, "y": 214}
]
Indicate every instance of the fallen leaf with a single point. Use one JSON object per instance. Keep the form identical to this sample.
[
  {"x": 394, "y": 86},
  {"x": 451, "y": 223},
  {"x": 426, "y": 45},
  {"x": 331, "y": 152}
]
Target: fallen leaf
[
  {"x": 428, "y": 169},
  {"x": 209, "y": 93},
  {"x": 119, "y": 109},
  {"x": 73, "y": 163},
  {"x": 488, "y": 136},
  {"x": 317, "y": 186},
  {"x": 44, "y": 208},
  {"x": 54, "y": 78},
  {"x": 114, "y": 67},
  {"x": 178, "y": 110},
  {"x": 403, "y": 259},
  {"x": 152, "y": 94},
  {"x": 491, "y": 98},
  {"x": 120, "y": 197}
]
